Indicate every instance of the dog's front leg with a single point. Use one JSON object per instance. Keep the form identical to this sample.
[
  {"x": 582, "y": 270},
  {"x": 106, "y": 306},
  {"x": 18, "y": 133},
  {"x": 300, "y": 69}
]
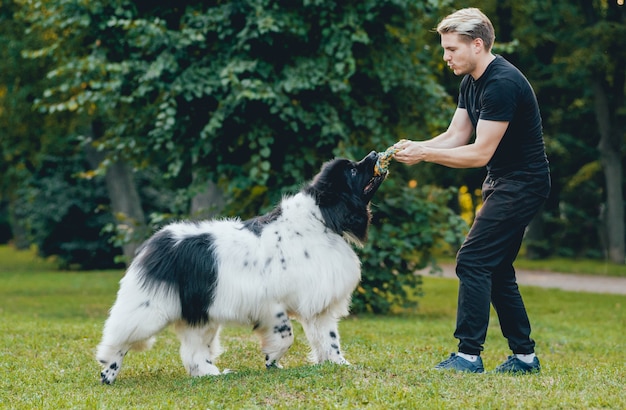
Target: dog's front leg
[
  {"x": 199, "y": 348},
  {"x": 276, "y": 334},
  {"x": 111, "y": 359},
  {"x": 323, "y": 336}
]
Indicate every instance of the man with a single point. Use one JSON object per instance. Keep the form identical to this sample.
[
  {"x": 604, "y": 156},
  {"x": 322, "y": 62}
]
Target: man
[{"x": 497, "y": 105}]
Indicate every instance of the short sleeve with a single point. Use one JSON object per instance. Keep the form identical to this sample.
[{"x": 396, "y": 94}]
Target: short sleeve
[
  {"x": 462, "y": 91},
  {"x": 499, "y": 100}
]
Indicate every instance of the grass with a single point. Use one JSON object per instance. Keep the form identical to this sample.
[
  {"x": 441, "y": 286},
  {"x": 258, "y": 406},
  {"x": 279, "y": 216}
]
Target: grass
[
  {"x": 51, "y": 322},
  {"x": 563, "y": 265},
  {"x": 578, "y": 266}
]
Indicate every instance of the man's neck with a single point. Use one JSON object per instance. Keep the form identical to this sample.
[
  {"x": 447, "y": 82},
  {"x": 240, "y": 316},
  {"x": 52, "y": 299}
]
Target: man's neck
[{"x": 482, "y": 65}]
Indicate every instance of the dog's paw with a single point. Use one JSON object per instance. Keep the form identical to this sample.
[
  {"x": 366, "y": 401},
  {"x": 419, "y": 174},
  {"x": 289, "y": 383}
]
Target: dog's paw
[
  {"x": 273, "y": 365},
  {"x": 339, "y": 360},
  {"x": 206, "y": 368},
  {"x": 109, "y": 373}
]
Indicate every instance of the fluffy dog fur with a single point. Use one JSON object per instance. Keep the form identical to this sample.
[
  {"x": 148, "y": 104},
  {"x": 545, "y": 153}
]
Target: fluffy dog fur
[{"x": 296, "y": 261}]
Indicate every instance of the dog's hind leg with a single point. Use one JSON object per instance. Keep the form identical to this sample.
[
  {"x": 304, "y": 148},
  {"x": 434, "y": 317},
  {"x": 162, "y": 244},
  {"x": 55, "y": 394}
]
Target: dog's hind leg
[
  {"x": 323, "y": 336},
  {"x": 132, "y": 323},
  {"x": 276, "y": 334},
  {"x": 199, "y": 347},
  {"x": 119, "y": 337}
]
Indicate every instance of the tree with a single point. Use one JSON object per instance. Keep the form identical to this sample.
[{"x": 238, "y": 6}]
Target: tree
[
  {"x": 27, "y": 138},
  {"x": 572, "y": 53},
  {"x": 585, "y": 60},
  {"x": 191, "y": 87},
  {"x": 607, "y": 71},
  {"x": 241, "y": 95},
  {"x": 64, "y": 215}
]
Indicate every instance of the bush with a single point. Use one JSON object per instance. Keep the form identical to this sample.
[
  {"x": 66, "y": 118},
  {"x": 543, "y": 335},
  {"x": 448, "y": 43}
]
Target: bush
[
  {"x": 65, "y": 215},
  {"x": 5, "y": 226},
  {"x": 408, "y": 225}
]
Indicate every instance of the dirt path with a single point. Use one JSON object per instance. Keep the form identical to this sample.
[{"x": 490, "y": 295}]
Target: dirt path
[{"x": 564, "y": 281}]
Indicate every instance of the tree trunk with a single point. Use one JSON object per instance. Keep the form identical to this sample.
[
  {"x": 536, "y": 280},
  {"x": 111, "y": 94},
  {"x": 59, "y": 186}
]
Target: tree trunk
[
  {"x": 126, "y": 206},
  {"x": 207, "y": 203},
  {"x": 20, "y": 233},
  {"x": 610, "y": 158},
  {"x": 125, "y": 201}
]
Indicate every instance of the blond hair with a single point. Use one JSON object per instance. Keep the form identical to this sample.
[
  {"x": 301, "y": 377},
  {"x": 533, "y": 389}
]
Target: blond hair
[{"x": 470, "y": 23}]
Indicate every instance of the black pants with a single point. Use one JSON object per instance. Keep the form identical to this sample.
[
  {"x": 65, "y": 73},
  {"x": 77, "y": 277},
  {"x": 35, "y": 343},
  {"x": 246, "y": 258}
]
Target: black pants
[{"x": 485, "y": 262}]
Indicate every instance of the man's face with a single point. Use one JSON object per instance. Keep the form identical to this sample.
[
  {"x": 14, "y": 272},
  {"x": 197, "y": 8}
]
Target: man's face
[{"x": 458, "y": 53}]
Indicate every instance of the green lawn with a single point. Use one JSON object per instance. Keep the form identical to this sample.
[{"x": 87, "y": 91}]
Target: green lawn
[
  {"x": 578, "y": 266},
  {"x": 51, "y": 322},
  {"x": 563, "y": 265}
]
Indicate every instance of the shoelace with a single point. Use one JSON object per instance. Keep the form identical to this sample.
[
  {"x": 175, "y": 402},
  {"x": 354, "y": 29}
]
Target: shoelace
[
  {"x": 449, "y": 360},
  {"x": 509, "y": 363},
  {"x": 513, "y": 363}
]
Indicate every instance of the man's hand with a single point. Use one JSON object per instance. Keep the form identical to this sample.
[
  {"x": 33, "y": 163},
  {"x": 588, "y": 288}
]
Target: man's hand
[{"x": 409, "y": 152}]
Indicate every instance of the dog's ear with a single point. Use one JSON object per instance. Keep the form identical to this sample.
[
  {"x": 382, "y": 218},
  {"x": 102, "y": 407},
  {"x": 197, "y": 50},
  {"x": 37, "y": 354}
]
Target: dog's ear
[{"x": 342, "y": 207}]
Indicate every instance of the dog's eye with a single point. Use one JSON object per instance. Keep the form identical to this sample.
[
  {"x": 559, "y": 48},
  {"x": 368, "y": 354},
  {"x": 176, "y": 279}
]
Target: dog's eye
[{"x": 353, "y": 172}]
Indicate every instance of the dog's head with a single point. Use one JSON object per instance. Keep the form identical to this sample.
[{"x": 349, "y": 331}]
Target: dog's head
[{"x": 343, "y": 190}]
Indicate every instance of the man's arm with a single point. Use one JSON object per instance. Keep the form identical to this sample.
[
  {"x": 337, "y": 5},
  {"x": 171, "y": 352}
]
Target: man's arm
[{"x": 446, "y": 149}]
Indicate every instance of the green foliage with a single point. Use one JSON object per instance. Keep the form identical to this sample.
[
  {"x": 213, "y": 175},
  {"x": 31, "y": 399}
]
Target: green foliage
[
  {"x": 254, "y": 95},
  {"x": 64, "y": 215},
  {"x": 575, "y": 54},
  {"x": 26, "y": 137},
  {"x": 52, "y": 322},
  {"x": 248, "y": 94},
  {"x": 5, "y": 225},
  {"x": 408, "y": 226}
]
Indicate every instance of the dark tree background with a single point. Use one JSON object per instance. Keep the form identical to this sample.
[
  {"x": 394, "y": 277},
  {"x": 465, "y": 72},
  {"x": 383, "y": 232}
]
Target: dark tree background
[{"x": 117, "y": 116}]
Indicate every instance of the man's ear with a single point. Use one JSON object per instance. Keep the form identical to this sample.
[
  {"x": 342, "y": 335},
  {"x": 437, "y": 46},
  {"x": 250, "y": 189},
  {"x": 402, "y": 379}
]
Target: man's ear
[{"x": 478, "y": 45}]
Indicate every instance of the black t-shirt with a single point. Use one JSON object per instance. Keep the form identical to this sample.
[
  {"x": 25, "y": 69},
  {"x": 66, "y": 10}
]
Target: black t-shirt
[{"x": 502, "y": 93}]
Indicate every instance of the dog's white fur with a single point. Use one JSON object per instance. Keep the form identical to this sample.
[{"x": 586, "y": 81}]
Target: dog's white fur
[{"x": 294, "y": 267}]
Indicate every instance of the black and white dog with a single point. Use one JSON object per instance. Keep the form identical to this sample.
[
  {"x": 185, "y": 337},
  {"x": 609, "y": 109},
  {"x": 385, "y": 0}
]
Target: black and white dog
[{"x": 296, "y": 261}]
